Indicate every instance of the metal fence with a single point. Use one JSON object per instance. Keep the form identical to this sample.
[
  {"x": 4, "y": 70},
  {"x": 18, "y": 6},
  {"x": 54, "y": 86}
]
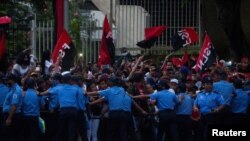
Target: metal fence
[
  {"x": 130, "y": 18},
  {"x": 44, "y": 37}
]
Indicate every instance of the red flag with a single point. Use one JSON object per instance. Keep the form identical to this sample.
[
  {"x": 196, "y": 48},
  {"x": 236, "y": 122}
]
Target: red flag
[
  {"x": 65, "y": 48},
  {"x": 183, "y": 38},
  {"x": 151, "y": 35},
  {"x": 2, "y": 44},
  {"x": 107, "y": 49},
  {"x": 179, "y": 62},
  {"x": 59, "y": 17},
  {"x": 207, "y": 55}
]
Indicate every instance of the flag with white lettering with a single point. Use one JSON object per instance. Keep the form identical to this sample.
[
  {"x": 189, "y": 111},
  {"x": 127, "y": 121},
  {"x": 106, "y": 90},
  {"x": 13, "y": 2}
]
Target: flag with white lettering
[
  {"x": 183, "y": 38},
  {"x": 64, "y": 48},
  {"x": 207, "y": 55},
  {"x": 107, "y": 48}
]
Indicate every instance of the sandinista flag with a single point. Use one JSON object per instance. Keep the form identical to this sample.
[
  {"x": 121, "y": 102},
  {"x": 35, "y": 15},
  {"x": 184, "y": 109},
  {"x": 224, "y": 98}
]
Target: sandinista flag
[
  {"x": 183, "y": 38},
  {"x": 179, "y": 62},
  {"x": 107, "y": 48},
  {"x": 151, "y": 36},
  {"x": 65, "y": 48},
  {"x": 207, "y": 55}
]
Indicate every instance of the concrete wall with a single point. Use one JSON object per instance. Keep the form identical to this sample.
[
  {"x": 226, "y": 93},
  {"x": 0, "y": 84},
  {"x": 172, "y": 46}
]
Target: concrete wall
[{"x": 130, "y": 22}]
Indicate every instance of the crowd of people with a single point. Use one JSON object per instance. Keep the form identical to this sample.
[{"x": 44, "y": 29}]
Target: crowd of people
[{"x": 133, "y": 100}]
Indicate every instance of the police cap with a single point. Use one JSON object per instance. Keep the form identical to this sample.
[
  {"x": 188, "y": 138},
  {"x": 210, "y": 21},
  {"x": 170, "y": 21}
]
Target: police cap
[{"x": 207, "y": 79}]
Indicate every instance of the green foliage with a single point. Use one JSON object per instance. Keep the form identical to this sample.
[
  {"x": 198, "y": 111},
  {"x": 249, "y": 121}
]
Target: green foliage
[{"x": 77, "y": 21}]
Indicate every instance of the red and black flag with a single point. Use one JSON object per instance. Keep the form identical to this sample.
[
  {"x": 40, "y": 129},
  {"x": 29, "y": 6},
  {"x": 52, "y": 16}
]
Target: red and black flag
[
  {"x": 66, "y": 50},
  {"x": 107, "y": 48},
  {"x": 151, "y": 36},
  {"x": 207, "y": 55},
  {"x": 183, "y": 38},
  {"x": 179, "y": 62}
]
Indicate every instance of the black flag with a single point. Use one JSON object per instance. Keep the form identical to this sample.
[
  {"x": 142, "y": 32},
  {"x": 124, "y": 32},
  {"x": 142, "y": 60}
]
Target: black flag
[{"x": 151, "y": 36}]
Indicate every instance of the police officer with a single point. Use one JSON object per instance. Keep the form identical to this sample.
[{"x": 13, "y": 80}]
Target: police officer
[
  {"x": 166, "y": 101},
  {"x": 3, "y": 93},
  {"x": 239, "y": 103},
  {"x": 12, "y": 111},
  {"x": 183, "y": 113},
  {"x": 68, "y": 97},
  {"x": 226, "y": 89},
  {"x": 209, "y": 103},
  {"x": 51, "y": 118},
  {"x": 120, "y": 109},
  {"x": 31, "y": 111},
  {"x": 81, "y": 107}
]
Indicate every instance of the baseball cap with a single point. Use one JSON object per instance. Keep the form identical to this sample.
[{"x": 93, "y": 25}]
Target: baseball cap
[{"x": 174, "y": 80}]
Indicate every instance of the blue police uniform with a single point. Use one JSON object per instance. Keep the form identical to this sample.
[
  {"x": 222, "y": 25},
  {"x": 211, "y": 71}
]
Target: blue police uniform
[
  {"x": 120, "y": 112},
  {"x": 224, "y": 88},
  {"x": 208, "y": 101},
  {"x": 13, "y": 98},
  {"x": 31, "y": 103},
  {"x": 239, "y": 106},
  {"x": 186, "y": 105},
  {"x": 53, "y": 97},
  {"x": 3, "y": 93},
  {"x": 166, "y": 102},
  {"x": 81, "y": 109},
  {"x": 183, "y": 120},
  {"x": 68, "y": 99},
  {"x": 4, "y": 90},
  {"x": 67, "y": 96},
  {"x": 82, "y": 99},
  {"x": 117, "y": 99},
  {"x": 31, "y": 111}
]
